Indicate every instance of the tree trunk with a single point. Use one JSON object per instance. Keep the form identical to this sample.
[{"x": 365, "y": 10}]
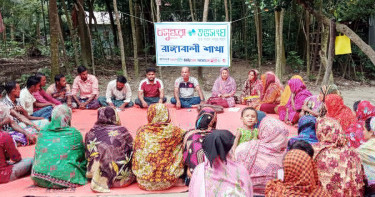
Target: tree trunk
[
  {"x": 323, "y": 51},
  {"x": 84, "y": 36},
  {"x": 191, "y": 11},
  {"x": 135, "y": 41},
  {"x": 226, "y": 10},
  {"x": 158, "y": 3},
  {"x": 280, "y": 52},
  {"x": 54, "y": 32},
  {"x": 138, "y": 27},
  {"x": 331, "y": 49},
  {"x": 307, "y": 22},
  {"x": 72, "y": 32},
  {"x": 113, "y": 26},
  {"x": 121, "y": 42},
  {"x": 205, "y": 16},
  {"x": 12, "y": 30},
  {"x": 258, "y": 27}
]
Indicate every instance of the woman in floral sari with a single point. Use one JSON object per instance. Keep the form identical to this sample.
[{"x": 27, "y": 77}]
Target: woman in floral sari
[
  {"x": 157, "y": 157},
  {"x": 339, "y": 166},
  {"x": 252, "y": 88},
  {"x": 306, "y": 131},
  {"x": 290, "y": 112},
  {"x": 271, "y": 93},
  {"x": 263, "y": 157},
  {"x": 193, "y": 152},
  {"x": 59, "y": 153},
  {"x": 109, "y": 148},
  {"x": 223, "y": 90},
  {"x": 219, "y": 175}
]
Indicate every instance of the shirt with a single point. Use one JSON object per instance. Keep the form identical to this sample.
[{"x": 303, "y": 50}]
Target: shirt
[
  {"x": 27, "y": 100},
  {"x": 8, "y": 151},
  {"x": 149, "y": 89},
  {"x": 86, "y": 88},
  {"x": 186, "y": 88},
  {"x": 112, "y": 92},
  {"x": 9, "y": 103},
  {"x": 53, "y": 90},
  {"x": 42, "y": 97}
]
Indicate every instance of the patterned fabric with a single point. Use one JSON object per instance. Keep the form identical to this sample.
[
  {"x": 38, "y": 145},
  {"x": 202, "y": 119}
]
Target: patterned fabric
[
  {"x": 8, "y": 151},
  {"x": 364, "y": 111},
  {"x": 251, "y": 88},
  {"x": 227, "y": 86},
  {"x": 193, "y": 139},
  {"x": 306, "y": 131},
  {"x": 339, "y": 166},
  {"x": 313, "y": 103},
  {"x": 300, "y": 93},
  {"x": 59, "y": 153},
  {"x": 247, "y": 135},
  {"x": 271, "y": 91},
  {"x": 300, "y": 178},
  {"x": 109, "y": 148},
  {"x": 157, "y": 159},
  {"x": 263, "y": 157},
  {"x": 285, "y": 96},
  {"x": 367, "y": 154}
]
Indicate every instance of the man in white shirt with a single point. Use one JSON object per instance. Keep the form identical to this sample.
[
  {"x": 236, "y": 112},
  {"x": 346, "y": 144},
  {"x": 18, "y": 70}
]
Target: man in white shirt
[
  {"x": 118, "y": 94},
  {"x": 28, "y": 102}
]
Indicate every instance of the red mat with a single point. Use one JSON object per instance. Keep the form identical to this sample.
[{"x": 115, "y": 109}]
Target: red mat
[{"x": 132, "y": 119}]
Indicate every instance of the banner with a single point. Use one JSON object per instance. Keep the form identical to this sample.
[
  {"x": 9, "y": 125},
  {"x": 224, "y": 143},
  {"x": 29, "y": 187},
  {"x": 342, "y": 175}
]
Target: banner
[{"x": 193, "y": 44}]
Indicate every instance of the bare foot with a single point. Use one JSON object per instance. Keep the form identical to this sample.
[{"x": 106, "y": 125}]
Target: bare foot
[{"x": 195, "y": 106}]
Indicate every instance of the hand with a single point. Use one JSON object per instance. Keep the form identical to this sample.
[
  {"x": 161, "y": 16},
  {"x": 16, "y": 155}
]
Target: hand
[
  {"x": 53, "y": 105},
  {"x": 178, "y": 105},
  {"x": 144, "y": 104},
  {"x": 7, "y": 121},
  {"x": 18, "y": 108}
]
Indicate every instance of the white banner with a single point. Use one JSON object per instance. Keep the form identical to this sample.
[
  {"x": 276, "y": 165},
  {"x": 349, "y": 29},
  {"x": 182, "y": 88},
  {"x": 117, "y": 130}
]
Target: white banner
[{"x": 192, "y": 44}]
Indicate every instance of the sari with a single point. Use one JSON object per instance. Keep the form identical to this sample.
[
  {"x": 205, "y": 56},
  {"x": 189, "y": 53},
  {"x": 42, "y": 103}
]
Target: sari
[
  {"x": 59, "y": 160},
  {"x": 314, "y": 104},
  {"x": 263, "y": 157},
  {"x": 339, "y": 166},
  {"x": 219, "y": 175},
  {"x": 300, "y": 178},
  {"x": 306, "y": 131},
  {"x": 285, "y": 96},
  {"x": 157, "y": 158},
  {"x": 366, "y": 152},
  {"x": 364, "y": 111},
  {"x": 290, "y": 112},
  {"x": 251, "y": 88},
  {"x": 271, "y": 93},
  {"x": 109, "y": 148},
  {"x": 227, "y": 86},
  {"x": 193, "y": 139}
]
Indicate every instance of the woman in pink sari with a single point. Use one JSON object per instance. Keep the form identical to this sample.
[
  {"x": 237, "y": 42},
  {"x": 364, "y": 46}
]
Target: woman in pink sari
[
  {"x": 290, "y": 112},
  {"x": 220, "y": 175},
  {"x": 223, "y": 90},
  {"x": 263, "y": 157},
  {"x": 252, "y": 88}
]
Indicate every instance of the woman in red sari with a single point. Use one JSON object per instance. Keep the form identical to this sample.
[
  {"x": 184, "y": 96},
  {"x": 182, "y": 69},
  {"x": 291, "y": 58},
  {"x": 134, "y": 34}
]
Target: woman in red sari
[{"x": 252, "y": 88}]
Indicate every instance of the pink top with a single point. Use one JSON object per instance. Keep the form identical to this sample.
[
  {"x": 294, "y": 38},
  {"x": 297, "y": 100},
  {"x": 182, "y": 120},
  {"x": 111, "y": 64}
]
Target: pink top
[
  {"x": 42, "y": 97},
  {"x": 86, "y": 88}
]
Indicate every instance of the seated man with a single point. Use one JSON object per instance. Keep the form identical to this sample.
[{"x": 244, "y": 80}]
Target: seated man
[
  {"x": 118, "y": 94},
  {"x": 41, "y": 96},
  {"x": 28, "y": 102},
  {"x": 184, "y": 87},
  {"x": 60, "y": 90},
  {"x": 87, "y": 85},
  {"x": 151, "y": 90}
]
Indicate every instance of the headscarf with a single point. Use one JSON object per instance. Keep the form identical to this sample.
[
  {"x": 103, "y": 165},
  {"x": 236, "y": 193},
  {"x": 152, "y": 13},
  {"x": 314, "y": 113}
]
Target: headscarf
[
  {"x": 367, "y": 151},
  {"x": 251, "y": 88},
  {"x": 330, "y": 89},
  {"x": 221, "y": 86},
  {"x": 206, "y": 119},
  {"x": 336, "y": 109},
  {"x": 106, "y": 142},
  {"x": 286, "y": 93},
  {"x": 108, "y": 115},
  {"x": 217, "y": 145},
  {"x": 267, "y": 80},
  {"x": 263, "y": 157},
  {"x": 364, "y": 111},
  {"x": 60, "y": 119},
  {"x": 300, "y": 178},
  {"x": 157, "y": 158},
  {"x": 339, "y": 167},
  {"x": 306, "y": 131}
]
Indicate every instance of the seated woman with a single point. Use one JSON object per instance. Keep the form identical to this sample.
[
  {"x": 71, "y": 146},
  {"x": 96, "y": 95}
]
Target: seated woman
[
  {"x": 313, "y": 104},
  {"x": 252, "y": 88},
  {"x": 285, "y": 96},
  {"x": 291, "y": 111},
  {"x": 344, "y": 115},
  {"x": 271, "y": 94},
  {"x": 306, "y": 131},
  {"x": 106, "y": 142},
  {"x": 366, "y": 152},
  {"x": 220, "y": 175},
  {"x": 339, "y": 166},
  {"x": 364, "y": 110},
  {"x": 193, "y": 152},
  {"x": 59, "y": 153},
  {"x": 300, "y": 178},
  {"x": 223, "y": 90},
  {"x": 157, "y": 157},
  {"x": 17, "y": 167},
  {"x": 263, "y": 157}
]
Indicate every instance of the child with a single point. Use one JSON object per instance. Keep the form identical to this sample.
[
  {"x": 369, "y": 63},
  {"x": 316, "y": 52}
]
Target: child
[{"x": 249, "y": 130}]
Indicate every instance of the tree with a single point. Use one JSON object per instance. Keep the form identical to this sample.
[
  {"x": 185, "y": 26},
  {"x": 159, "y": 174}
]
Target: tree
[
  {"x": 135, "y": 40},
  {"x": 121, "y": 42},
  {"x": 54, "y": 30}
]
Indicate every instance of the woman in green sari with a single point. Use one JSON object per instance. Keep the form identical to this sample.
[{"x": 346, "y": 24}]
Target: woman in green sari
[{"x": 59, "y": 153}]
